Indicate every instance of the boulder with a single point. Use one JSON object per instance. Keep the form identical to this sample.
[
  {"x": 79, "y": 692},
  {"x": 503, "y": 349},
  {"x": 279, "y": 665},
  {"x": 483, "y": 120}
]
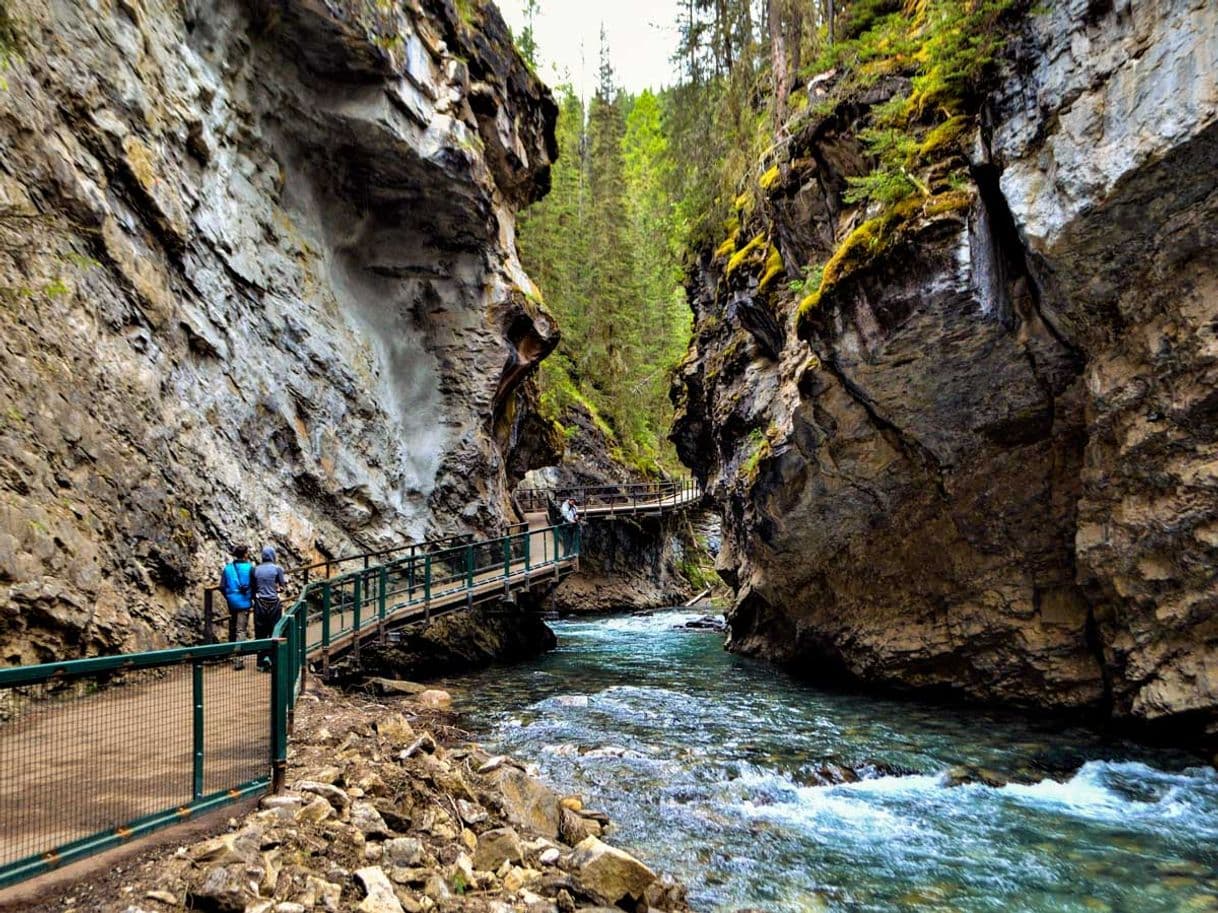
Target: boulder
[
  {"x": 323, "y": 894},
  {"x": 395, "y": 730},
  {"x": 379, "y": 893},
  {"x": 436, "y": 889},
  {"x": 241, "y": 847},
  {"x": 609, "y": 872},
  {"x": 315, "y": 812},
  {"x": 435, "y": 699},
  {"x": 526, "y": 802},
  {"x": 497, "y": 847},
  {"x": 574, "y": 827},
  {"x": 368, "y": 820},
  {"x": 471, "y": 812},
  {"x": 338, "y": 798},
  {"x": 225, "y": 889}
]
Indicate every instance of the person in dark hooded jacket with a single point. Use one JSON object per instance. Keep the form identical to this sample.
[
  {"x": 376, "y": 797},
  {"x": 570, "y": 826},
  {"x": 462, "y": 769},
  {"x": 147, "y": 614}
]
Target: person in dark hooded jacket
[{"x": 268, "y": 579}]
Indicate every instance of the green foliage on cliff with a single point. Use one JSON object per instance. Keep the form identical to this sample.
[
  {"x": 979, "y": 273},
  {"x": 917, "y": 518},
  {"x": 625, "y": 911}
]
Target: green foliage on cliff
[
  {"x": 947, "y": 48},
  {"x": 603, "y": 247},
  {"x": 746, "y": 90}
]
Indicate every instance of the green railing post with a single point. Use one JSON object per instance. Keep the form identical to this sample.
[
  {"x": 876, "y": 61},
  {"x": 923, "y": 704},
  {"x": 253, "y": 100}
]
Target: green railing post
[
  {"x": 410, "y": 578},
  {"x": 279, "y": 719},
  {"x": 196, "y": 670},
  {"x": 326, "y": 596},
  {"x": 289, "y": 670},
  {"x": 528, "y": 538},
  {"x": 357, "y": 603},
  {"x": 427, "y": 587},
  {"x": 382, "y": 596},
  {"x": 507, "y": 557},
  {"x": 469, "y": 566}
]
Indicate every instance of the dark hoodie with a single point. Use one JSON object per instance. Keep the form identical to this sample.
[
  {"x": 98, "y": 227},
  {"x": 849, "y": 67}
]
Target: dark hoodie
[{"x": 268, "y": 577}]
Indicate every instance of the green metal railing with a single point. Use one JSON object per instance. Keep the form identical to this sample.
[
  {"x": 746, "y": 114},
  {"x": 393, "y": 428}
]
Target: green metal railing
[
  {"x": 626, "y": 498},
  {"x": 95, "y": 752}
]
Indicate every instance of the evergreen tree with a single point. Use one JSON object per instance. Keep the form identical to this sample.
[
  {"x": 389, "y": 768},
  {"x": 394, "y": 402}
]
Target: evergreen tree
[{"x": 527, "y": 42}]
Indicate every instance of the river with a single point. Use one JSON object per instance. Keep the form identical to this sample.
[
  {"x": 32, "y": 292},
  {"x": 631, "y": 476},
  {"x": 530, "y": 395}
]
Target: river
[{"x": 713, "y": 767}]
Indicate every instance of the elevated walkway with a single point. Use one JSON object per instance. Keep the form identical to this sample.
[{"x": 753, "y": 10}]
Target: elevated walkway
[
  {"x": 595, "y": 502},
  {"x": 96, "y": 752}
]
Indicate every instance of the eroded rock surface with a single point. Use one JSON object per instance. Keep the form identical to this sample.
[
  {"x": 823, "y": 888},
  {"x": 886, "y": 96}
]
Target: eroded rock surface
[
  {"x": 988, "y": 466},
  {"x": 260, "y": 284}
]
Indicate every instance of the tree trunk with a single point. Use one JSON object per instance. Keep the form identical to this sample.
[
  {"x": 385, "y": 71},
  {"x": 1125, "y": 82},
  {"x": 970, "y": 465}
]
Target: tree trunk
[
  {"x": 778, "y": 64},
  {"x": 795, "y": 37},
  {"x": 722, "y": 13}
]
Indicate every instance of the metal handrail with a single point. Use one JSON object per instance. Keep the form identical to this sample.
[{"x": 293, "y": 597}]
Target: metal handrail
[
  {"x": 638, "y": 495},
  {"x": 330, "y": 614},
  {"x": 329, "y": 564}
]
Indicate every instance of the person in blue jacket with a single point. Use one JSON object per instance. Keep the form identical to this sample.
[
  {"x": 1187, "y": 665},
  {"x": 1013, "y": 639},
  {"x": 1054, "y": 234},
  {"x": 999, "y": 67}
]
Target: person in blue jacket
[{"x": 237, "y": 585}]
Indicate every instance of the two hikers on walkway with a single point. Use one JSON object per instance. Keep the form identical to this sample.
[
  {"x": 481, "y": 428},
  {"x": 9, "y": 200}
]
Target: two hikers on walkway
[{"x": 248, "y": 587}]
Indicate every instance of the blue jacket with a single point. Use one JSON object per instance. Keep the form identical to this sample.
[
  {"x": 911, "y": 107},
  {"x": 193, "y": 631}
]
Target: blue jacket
[{"x": 236, "y": 583}]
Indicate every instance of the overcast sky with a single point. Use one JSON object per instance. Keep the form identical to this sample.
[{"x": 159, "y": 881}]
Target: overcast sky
[{"x": 642, "y": 37}]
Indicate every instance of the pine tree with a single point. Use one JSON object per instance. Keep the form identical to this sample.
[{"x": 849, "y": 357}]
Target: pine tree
[{"x": 527, "y": 42}]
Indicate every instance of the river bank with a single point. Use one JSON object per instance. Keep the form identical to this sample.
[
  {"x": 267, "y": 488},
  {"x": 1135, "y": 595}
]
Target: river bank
[
  {"x": 759, "y": 790},
  {"x": 389, "y": 809}
]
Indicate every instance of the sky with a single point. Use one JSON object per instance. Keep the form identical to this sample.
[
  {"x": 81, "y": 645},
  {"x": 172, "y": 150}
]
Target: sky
[{"x": 642, "y": 37}]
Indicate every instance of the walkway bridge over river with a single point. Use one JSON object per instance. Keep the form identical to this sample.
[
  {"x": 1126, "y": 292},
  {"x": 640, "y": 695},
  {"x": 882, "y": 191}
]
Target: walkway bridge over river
[{"x": 95, "y": 752}]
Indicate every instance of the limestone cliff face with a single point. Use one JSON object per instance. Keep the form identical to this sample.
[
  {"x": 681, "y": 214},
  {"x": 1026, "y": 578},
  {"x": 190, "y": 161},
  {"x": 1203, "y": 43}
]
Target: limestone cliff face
[
  {"x": 989, "y": 466},
  {"x": 259, "y": 283}
]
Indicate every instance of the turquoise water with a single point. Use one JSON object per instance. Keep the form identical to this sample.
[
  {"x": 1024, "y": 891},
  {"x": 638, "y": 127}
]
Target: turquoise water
[{"x": 712, "y": 766}]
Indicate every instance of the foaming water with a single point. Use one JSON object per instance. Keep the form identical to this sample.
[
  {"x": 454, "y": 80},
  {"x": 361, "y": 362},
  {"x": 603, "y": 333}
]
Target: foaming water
[{"x": 760, "y": 791}]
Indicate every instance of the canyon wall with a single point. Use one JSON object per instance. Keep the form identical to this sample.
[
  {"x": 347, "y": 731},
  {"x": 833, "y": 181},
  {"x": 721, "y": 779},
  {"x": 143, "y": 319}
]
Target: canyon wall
[
  {"x": 985, "y": 466},
  {"x": 259, "y": 284}
]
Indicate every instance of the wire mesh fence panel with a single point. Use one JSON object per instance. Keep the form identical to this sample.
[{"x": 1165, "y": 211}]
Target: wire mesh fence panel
[
  {"x": 94, "y": 756},
  {"x": 236, "y": 725},
  {"x": 83, "y": 758}
]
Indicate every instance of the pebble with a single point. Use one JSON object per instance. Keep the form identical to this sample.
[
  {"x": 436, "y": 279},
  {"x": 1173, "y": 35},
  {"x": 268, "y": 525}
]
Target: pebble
[{"x": 164, "y": 897}]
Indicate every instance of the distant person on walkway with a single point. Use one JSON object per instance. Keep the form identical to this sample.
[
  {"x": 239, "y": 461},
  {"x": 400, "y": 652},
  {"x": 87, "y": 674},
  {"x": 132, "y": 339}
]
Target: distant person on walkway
[
  {"x": 237, "y": 585},
  {"x": 570, "y": 515},
  {"x": 268, "y": 579}
]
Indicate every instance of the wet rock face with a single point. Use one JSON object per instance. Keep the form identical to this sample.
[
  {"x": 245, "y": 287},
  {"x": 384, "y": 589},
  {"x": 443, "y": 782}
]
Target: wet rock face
[
  {"x": 260, "y": 283},
  {"x": 462, "y": 641},
  {"x": 988, "y": 468},
  {"x": 627, "y": 564},
  {"x": 1124, "y": 238}
]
